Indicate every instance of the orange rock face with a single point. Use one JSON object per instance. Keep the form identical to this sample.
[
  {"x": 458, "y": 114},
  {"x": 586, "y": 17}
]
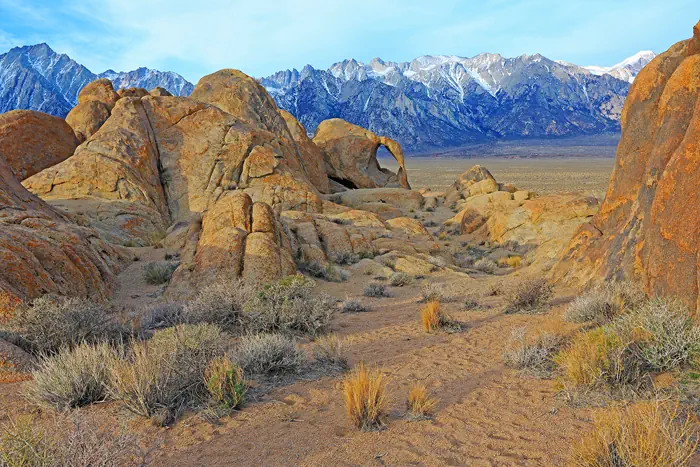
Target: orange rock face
[
  {"x": 350, "y": 153},
  {"x": 32, "y": 141},
  {"x": 95, "y": 104},
  {"x": 648, "y": 227}
]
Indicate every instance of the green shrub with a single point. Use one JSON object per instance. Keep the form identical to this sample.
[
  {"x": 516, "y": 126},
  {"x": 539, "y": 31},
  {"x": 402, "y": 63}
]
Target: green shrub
[
  {"x": 268, "y": 353},
  {"x": 158, "y": 273},
  {"x": 225, "y": 382},
  {"x": 72, "y": 377}
]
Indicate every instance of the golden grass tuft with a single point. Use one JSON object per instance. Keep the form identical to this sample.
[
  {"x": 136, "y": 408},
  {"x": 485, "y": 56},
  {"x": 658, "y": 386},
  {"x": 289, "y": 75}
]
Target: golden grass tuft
[
  {"x": 365, "y": 397},
  {"x": 510, "y": 261},
  {"x": 430, "y": 316},
  {"x": 419, "y": 405},
  {"x": 652, "y": 434}
]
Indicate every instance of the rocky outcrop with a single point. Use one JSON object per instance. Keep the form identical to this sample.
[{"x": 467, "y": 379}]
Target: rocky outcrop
[
  {"x": 159, "y": 91},
  {"x": 648, "y": 227},
  {"x": 385, "y": 202},
  {"x": 42, "y": 251},
  {"x": 310, "y": 153},
  {"x": 32, "y": 141},
  {"x": 236, "y": 238},
  {"x": 350, "y": 153},
  {"x": 132, "y": 92},
  {"x": 500, "y": 213},
  {"x": 95, "y": 104}
]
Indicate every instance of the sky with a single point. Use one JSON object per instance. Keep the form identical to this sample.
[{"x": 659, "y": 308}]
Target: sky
[{"x": 197, "y": 37}]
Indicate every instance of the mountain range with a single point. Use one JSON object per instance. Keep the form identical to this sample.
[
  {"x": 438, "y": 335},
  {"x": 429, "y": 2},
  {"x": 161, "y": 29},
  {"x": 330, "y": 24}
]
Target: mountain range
[{"x": 428, "y": 103}]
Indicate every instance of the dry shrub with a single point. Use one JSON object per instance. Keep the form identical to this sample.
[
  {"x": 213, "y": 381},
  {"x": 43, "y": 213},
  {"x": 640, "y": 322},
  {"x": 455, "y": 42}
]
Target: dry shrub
[
  {"x": 225, "y": 382},
  {"x": 52, "y": 323},
  {"x": 471, "y": 302},
  {"x": 433, "y": 291},
  {"x": 289, "y": 306},
  {"x": 603, "y": 303},
  {"x": 365, "y": 397},
  {"x": 330, "y": 272},
  {"x": 72, "y": 377},
  {"x": 162, "y": 315},
  {"x": 268, "y": 353},
  {"x": 419, "y": 405},
  {"x": 649, "y": 434},
  {"x": 529, "y": 296},
  {"x": 220, "y": 303},
  {"x": 532, "y": 355},
  {"x": 330, "y": 352},
  {"x": 510, "y": 261},
  {"x": 158, "y": 273},
  {"x": 76, "y": 441},
  {"x": 486, "y": 265},
  {"x": 161, "y": 376},
  {"x": 434, "y": 319},
  {"x": 494, "y": 289},
  {"x": 376, "y": 289},
  {"x": 438, "y": 261},
  {"x": 353, "y": 305},
  {"x": 400, "y": 279}
]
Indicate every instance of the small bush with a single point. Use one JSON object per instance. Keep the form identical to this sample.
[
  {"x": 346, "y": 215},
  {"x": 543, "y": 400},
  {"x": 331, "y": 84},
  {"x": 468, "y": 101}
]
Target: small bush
[
  {"x": 78, "y": 441},
  {"x": 650, "y": 434},
  {"x": 353, "y": 305},
  {"x": 494, "y": 289},
  {"x": 375, "y": 289},
  {"x": 419, "y": 405},
  {"x": 438, "y": 261},
  {"x": 464, "y": 260},
  {"x": 433, "y": 291},
  {"x": 486, "y": 265},
  {"x": 161, "y": 376},
  {"x": 225, "y": 382},
  {"x": 365, "y": 397},
  {"x": 471, "y": 302},
  {"x": 330, "y": 351},
  {"x": 430, "y": 223},
  {"x": 533, "y": 356},
  {"x": 72, "y": 377},
  {"x": 345, "y": 258},
  {"x": 400, "y": 279},
  {"x": 52, "y": 323},
  {"x": 289, "y": 306},
  {"x": 220, "y": 303},
  {"x": 158, "y": 273},
  {"x": 163, "y": 315},
  {"x": 268, "y": 353},
  {"x": 530, "y": 296},
  {"x": 603, "y": 303},
  {"x": 329, "y": 272},
  {"x": 510, "y": 261},
  {"x": 433, "y": 319}
]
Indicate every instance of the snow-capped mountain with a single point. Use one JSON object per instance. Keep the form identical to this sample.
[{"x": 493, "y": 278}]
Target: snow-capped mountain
[
  {"x": 442, "y": 101},
  {"x": 35, "y": 77}
]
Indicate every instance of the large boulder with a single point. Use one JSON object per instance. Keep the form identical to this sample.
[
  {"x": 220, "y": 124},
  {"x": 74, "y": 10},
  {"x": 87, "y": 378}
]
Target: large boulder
[
  {"x": 648, "y": 227},
  {"x": 31, "y": 141},
  {"x": 350, "y": 153},
  {"x": 95, "y": 104},
  {"x": 475, "y": 181},
  {"x": 43, "y": 252},
  {"x": 311, "y": 155}
]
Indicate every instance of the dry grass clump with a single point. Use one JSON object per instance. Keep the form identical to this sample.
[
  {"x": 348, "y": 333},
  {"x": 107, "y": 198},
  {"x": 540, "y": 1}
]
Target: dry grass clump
[
  {"x": 267, "y": 354},
  {"x": 365, "y": 397},
  {"x": 78, "y": 441},
  {"x": 159, "y": 377},
  {"x": 649, "y": 434},
  {"x": 438, "y": 261},
  {"x": 494, "y": 289},
  {"x": 530, "y": 296},
  {"x": 72, "y": 377},
  {"x": 434, "y": 291},
  {"x": 156, "y": 273},
  {"x": 603, "y": 303},
  {"x": 353, "y": 305},
  {"x": 288, "y": 306},
  {"x": 162, "y": 315},
  {"x": 225, "y": 383},
  {"x": 471, "y": 302},
  {"x": 510, "y": 261},
  {"x": 220, "y": 303},
  {"x": 52, "y": 323},
  {"x": 534, "y": 355},
  {"x": 400, "y": 279},
  {"x": 434, "y": 319},
  {"x": 330, "y": 272},
  {"x": 486, "y": 265},
  {"x": 330, "y": 351},
  {"x": 376, "y": 289},
  {"x": 419, "y": 405}
]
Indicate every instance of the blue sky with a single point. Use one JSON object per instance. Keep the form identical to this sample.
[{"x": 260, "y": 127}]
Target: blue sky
[{"x": 196, "y": 37}]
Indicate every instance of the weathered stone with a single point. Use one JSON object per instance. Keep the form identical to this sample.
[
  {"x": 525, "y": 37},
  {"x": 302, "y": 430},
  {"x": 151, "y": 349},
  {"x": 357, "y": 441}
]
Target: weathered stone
[
  {"x": 475, "y": 181},
  {"x": 410, "y": 226},
  {"x": 311, "y": 155},
  {"x": 396, "y": 197},
  {"x": 32, "y": 141},
  {"x": 95, "y": 104},
  {"x": 132, "y": 92},
  {"x": 159, "y": 92},
  {"x": 350, "y": 154}
]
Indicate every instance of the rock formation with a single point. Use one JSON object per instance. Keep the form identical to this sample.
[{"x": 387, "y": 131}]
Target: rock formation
[
  {"x": 310, "y": 153},
  {"x": 42, "y": 251},
  {"x": 648, "y": 227},
  {"x": 350, "y": 153},
  {"x": 32, "y": 141},
  {"x": 95, "y": 104}
]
